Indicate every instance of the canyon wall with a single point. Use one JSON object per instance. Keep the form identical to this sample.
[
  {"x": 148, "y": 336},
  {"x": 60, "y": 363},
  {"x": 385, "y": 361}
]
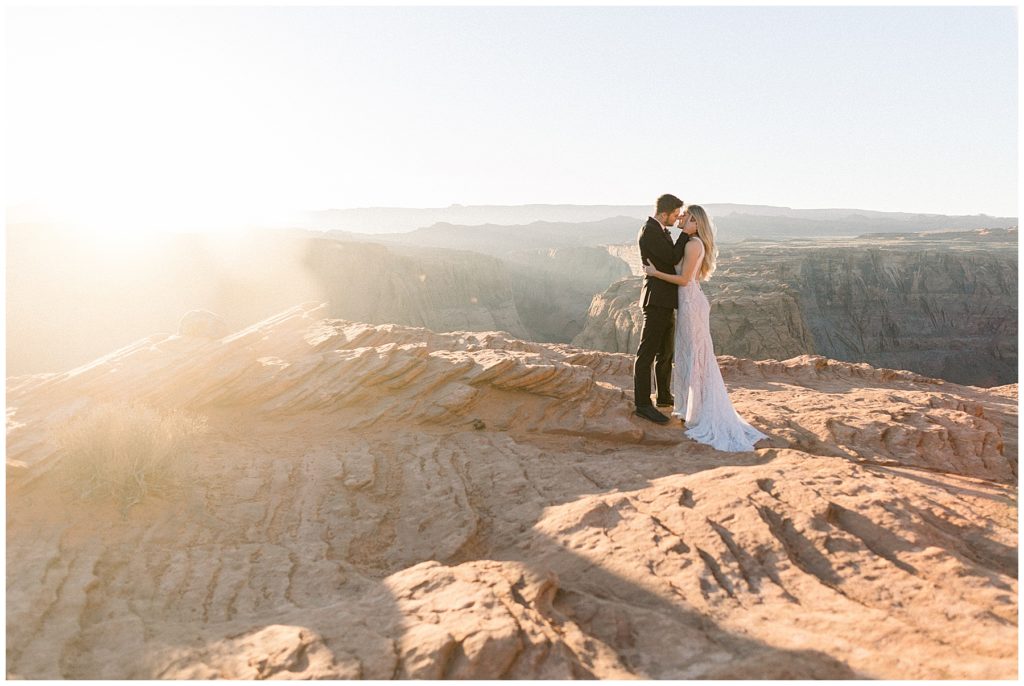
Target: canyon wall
[
  {"x": 744, "y": 322},
  {"x": 951, "y": 315},
  {"x": 443, "y": 290},
  {"x": 944, "y": 305},
  {"x": 553, "y": 287},
  {"x": 71, "y": 298}
]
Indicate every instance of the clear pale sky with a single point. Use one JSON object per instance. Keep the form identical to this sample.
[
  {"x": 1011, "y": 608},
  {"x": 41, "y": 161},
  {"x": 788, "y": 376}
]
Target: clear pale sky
[{"x": 216, "y": 115}]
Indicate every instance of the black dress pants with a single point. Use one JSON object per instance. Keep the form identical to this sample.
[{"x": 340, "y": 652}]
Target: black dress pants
[{"x": 656, "y": 342}]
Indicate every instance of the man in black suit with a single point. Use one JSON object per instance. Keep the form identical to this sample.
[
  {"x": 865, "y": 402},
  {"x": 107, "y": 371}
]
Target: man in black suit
[{"x": 659, "y": 300}]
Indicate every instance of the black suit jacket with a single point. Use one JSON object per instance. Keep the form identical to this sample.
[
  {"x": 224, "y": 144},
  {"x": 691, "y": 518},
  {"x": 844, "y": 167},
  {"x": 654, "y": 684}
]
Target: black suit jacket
[{"x": 658, "y": 249}]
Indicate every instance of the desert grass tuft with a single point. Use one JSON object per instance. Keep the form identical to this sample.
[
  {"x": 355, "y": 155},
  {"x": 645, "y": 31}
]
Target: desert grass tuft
[{"x": 122, "y": 452}]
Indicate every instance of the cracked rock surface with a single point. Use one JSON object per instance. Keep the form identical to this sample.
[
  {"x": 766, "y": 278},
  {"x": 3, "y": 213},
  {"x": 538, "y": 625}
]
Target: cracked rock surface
[{"x": 388, "y": 502}]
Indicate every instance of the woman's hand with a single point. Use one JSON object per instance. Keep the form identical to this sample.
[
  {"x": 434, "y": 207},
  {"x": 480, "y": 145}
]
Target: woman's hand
[{"x": 649, "y": 269}]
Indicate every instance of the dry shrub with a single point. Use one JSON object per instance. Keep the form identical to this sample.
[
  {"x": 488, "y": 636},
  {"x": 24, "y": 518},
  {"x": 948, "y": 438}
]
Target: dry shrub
[{"x": 123, "y": 452}]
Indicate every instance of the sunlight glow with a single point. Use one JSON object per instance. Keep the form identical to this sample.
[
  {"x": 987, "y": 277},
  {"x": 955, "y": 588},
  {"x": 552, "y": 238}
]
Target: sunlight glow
[
  {"x": 209, "y": 117},
  {"x": 153, "y": 140}
]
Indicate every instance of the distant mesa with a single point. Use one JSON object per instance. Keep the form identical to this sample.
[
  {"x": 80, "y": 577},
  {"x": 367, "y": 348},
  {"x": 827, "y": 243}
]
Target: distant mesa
[{"x": 738, "y": 220}]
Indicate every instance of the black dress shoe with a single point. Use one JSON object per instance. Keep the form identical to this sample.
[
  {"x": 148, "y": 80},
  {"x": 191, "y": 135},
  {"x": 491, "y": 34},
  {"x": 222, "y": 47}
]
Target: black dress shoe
[
  {"x": 648, "y": 412},
  {"x": 666, "y": 402}
]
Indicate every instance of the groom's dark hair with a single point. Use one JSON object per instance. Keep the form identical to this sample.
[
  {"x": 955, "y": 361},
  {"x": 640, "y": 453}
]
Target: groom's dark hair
[{"x": 667, "y": 203}]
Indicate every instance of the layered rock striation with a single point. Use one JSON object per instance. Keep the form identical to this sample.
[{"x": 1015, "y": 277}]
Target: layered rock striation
[
  {"x": 380, "y": 501},
  {"x": 942, "y": 304},
  {"x": 443, "y": 290},
  {"x": 745, "y": 322},
  {"x": 553, "y": 288},
  {"x": 103, "y": 296},
  {"x": 943, "y": 312}
]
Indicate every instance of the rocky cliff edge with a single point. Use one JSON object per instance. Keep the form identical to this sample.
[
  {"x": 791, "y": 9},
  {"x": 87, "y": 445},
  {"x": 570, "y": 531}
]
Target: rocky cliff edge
[{"x": 384, "y": 501}]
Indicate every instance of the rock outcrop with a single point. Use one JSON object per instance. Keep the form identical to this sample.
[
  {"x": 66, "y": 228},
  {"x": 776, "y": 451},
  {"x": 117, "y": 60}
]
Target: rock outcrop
[
  {"x": 444, "y": 290},
  {"x": 759, "y": 324},
  {"x": 949, "y": 312},
  {"x": 99, "y": 299},
  {"x": 615, "y": 319},
  {"x": 537, "y": 294},
  {"x": 942, "y": 304},
  {"x": 380, "y": 501},
  {"x": 553, "y": 288}
]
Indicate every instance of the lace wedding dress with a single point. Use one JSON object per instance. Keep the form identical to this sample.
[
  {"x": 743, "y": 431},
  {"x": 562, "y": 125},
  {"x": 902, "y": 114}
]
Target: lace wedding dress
[{"x": 697, "y": 385}]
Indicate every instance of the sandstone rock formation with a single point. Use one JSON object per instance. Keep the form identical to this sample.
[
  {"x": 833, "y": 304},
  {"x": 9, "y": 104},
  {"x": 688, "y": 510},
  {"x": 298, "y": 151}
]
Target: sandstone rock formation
[
  {"x": 948, "y": 309},
  {"x": 443, "y": 290},
  {"x": 941, "y": 304},
  {"x": 379, "y": 501},
  {"x": 553, "y": 288},
  {"x": 534, "y": 294},
  {"x": 99, "y": 298},
  {"x": 615, "y": 319},
  {"x": 745, "y": 322}
]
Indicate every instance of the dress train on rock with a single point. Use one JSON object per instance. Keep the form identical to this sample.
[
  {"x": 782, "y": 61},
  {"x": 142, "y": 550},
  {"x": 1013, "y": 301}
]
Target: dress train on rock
[{"x": 697, "y": 385}]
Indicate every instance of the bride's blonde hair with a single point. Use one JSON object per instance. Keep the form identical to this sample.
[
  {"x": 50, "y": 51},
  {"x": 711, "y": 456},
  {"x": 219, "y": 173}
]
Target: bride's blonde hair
[{"x": 706, "y": 232}]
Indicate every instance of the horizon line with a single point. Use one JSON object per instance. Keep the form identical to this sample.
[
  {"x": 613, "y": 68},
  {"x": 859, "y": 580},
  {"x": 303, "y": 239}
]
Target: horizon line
[{"x": 571, "y": 204}]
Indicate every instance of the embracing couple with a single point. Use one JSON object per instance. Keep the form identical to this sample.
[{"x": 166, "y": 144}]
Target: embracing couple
[{"x": 677, "y": 328}]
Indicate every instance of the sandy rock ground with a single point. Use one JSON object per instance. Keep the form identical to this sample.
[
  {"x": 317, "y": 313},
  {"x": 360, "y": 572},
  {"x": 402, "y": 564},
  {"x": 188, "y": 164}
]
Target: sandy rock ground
[{"x": 388, "y": 502}]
